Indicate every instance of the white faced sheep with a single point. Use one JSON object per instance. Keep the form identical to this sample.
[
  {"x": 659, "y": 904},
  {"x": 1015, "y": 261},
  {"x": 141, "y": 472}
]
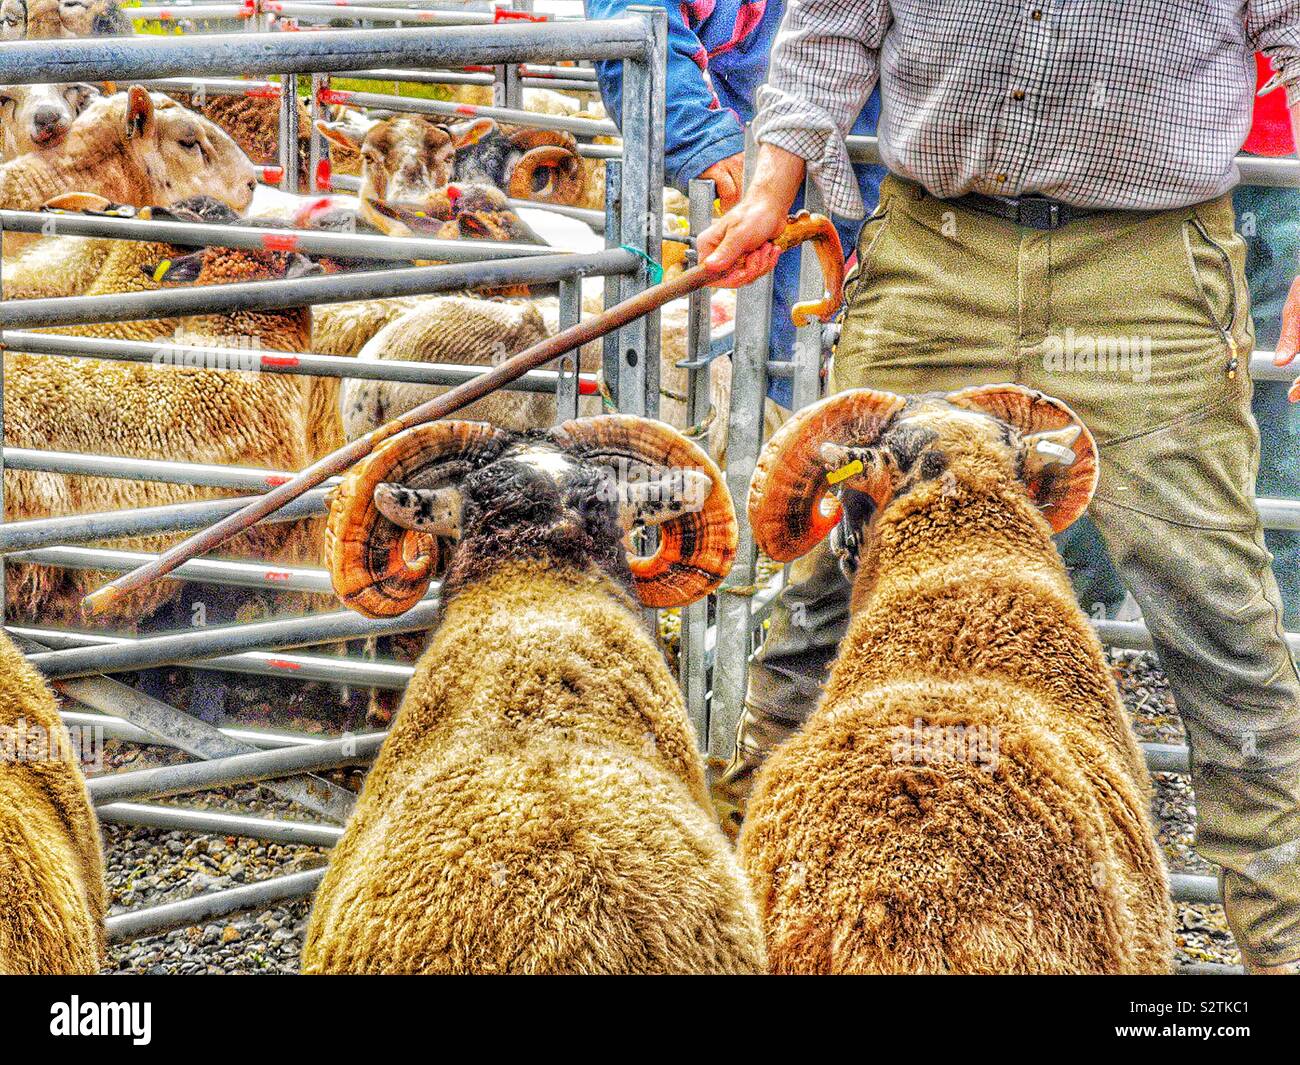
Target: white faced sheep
[
  {"x": 131, "y": 148},
  {"x": 13, "y": 20},
  {"x": 51, "y": 870},
  {"x": 36, "y": 118},
  {"x": 75, "y": 18},
  {"x": 968, "y": 796},
  {"x": 540, "y": 806},
  {"x": 405, "y": 160}
]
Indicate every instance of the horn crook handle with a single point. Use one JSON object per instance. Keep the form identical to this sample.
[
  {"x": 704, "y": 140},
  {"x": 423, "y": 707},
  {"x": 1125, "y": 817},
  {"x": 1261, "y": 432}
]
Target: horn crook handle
[
  {"x": 802, "y": 227},
  {"x": 830, "y": 257}
]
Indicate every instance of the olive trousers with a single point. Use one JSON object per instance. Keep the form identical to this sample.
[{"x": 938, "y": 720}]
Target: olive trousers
[{"x": 1138, "y": 321}]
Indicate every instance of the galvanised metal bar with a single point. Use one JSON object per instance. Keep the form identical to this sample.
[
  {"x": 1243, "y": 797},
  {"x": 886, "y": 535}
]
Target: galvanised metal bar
[
  {"x": 641, "y": 215},
  {"x": 200, "y": 570},
  {"x": 1184, "y": 887},
  {"x": 161, "y": 782},
  {"x": 173, "y": 353},
  {"x": 181, "y": 647},
  {"x": 1167, "y": 758},
  {"x": 318, "y": 155},
  {"x": 595, "y": 219},
  {"x": 172, "y": 12},
  {"x": 203, "y": 908},
  {"x": 307, "y": 241},
  {"x": 807, "y": 362},
  {"x": 123, "y": 59},
  {"x": 289, "y": 132},
  {"x": 238, "y": 478},
  {"x": 214, "y": 86},
  {"x": 569, "y": 81},
  {"x": 146, "y": 521},
  {"x": 214, "y": 822},
  {"x": 306, "y": 291},
  {"x": 568, "y": 384},
  {"x": 583, "y": 127},
  {"x": 307, "y": 12},
  {"x": 691, "y": 656},
  {"x": 1255, "y": 170},
  {"x": 118, "y": 728},
  {"x": 194, "y": 736},
  {"x": 744, "y": 442},
  {"x": 330, "y": 669},
  {"x": 610, "y": 358}
]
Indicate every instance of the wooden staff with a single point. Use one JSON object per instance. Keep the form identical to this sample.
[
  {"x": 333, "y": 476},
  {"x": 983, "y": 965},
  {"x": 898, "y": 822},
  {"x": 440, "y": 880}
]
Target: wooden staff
[{"x": 802, "y": 227}]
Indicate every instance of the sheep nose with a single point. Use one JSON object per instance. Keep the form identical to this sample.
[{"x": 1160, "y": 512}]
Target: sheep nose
[{"x": 45, "y": 117}]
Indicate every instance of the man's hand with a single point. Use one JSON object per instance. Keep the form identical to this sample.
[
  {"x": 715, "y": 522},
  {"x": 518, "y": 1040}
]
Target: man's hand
[
  {"x": 739, "y": 244},
  {"x": 728, "y": 177},
  {"x": 1290, "y": 338}
]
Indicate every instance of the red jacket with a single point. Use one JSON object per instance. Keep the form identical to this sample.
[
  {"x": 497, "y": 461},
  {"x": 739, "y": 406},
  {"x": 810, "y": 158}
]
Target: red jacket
[{"x": 1270, "y": 128}]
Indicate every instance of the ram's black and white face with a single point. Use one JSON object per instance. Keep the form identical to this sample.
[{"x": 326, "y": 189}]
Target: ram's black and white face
[{"x": 538, "y": 500}]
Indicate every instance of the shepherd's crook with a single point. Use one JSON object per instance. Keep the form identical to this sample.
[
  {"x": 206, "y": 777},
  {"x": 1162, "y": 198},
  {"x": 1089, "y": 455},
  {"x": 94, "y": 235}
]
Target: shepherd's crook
[{"x": 801, "y": 228}]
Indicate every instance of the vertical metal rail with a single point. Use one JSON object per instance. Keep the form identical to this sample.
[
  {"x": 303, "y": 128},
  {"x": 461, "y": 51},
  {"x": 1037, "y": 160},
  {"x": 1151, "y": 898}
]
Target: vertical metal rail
[
  {"x": 808, "y": 340},
  {"x": 692, "y": 664},
  {"x": 641, "y": 200},
  {"x": 744, "y": 441},
  {"x": 318, "y": 151},
  {"x": 566, "y": 384},
  {"x": 289, "y": 132},
  {"x": 611, "y": 348}
]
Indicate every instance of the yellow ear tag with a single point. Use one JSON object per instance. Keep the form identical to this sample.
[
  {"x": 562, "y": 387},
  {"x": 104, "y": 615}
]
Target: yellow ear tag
[
  {"x": 160, "y": 271},
  {"x": 844, "y": 472}
]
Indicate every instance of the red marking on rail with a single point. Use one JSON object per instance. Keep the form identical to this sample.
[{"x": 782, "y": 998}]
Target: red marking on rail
[
  {"x": 587, "y": 386},
  {"x": 273, "y": 175},
  {"x": 280, "y": 360},
  {"x": 324, "y": 176},
  {"x": 466, "y": 109},
  {"x": 502, "y": 14},
  {"x": 249, "y": 9},
  {"x": 276, "y": 575},
  {"x": 283, "y": 663},
  {"x": 277, "y": 479},
  {"x": 264, "y": 92},
  {"x": 164, "y": 15},
  {"x": 334, "y": 96},
  {"x": 279, "y": 242},
  {"x": 479, "y": 70}
]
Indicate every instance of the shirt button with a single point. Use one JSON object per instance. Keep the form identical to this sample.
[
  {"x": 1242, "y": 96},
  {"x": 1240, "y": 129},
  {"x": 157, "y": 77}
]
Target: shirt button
[
  {"x": 1018, "y": 94},
  {"x": 1000, "y": 178},
  {"x": 1036, "y": 15}
]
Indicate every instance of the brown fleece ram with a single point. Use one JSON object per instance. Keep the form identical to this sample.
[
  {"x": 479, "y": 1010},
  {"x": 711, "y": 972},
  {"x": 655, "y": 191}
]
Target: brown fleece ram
[
  {"x": 968, "y": 796},
  {"x": 540, "y": 805},
  {"x": 51, "y": 870}
]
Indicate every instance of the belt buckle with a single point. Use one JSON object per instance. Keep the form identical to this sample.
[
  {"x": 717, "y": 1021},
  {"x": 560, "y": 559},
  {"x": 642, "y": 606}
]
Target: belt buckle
[{"x": 1037, "y": 212}]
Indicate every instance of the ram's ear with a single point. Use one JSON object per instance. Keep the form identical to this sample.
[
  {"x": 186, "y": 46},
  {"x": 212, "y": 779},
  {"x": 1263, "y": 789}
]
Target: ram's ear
[
  {"x": 463, "y": 134},
  {"x": 430, "y": 510},
  {"x": 179, "y": 271},
  {"x": 139, "y": 112},
  {"x": 664, "y": 498}
]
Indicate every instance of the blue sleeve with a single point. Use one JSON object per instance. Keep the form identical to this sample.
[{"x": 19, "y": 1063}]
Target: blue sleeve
[{"x": 696, "y": 135}]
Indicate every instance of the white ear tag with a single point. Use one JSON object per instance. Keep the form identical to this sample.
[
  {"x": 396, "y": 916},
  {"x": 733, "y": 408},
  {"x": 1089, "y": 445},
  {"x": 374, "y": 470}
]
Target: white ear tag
[{"x": 1056, "y": 452}]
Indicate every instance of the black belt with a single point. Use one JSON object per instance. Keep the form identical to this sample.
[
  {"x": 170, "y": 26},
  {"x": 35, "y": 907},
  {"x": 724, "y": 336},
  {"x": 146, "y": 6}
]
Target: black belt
[{"x": 1036, "y": 212}]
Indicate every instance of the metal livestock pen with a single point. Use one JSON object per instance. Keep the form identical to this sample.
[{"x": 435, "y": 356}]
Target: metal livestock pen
[{"x": 468, "y": 48}]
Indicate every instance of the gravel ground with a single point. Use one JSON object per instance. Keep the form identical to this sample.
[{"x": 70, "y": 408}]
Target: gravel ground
[{"x": 147, "y": 867}]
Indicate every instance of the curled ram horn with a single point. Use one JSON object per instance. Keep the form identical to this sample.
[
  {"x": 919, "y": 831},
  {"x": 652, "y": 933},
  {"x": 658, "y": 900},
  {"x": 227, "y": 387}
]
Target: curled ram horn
[
  {"x": 562, "y": 169},
  {"x": 791, "y": 508},
  {"x": 1061, "y": 465},
  {"x": 697, "y": 547},
  {"x": 377, "y": 567}
]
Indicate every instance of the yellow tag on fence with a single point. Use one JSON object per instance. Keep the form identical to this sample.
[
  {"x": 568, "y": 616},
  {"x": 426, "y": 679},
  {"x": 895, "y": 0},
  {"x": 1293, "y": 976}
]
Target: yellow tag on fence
[{"x": 844, "y": 472}]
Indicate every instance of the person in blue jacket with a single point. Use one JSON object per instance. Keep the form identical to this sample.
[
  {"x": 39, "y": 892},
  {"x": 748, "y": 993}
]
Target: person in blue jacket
[{"x": 717, "y": 60}]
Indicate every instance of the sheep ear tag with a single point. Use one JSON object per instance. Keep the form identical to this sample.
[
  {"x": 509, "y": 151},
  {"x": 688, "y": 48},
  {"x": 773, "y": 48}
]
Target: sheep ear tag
[
  {"x": 1061, "y": 467},
  {"x": 791, "y": 507},
  {"x": 377, "y": 566}
]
